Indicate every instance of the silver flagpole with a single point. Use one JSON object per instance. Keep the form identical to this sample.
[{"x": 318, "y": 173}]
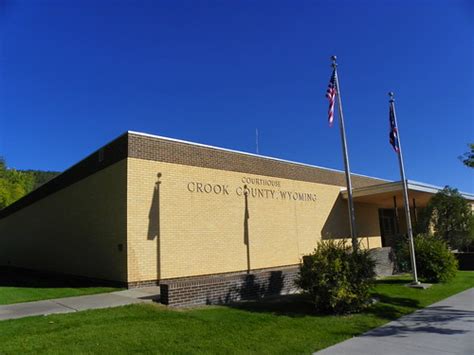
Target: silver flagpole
[
  {"x": 350, "y": 203},
  {"x": 405, "y": 194}
]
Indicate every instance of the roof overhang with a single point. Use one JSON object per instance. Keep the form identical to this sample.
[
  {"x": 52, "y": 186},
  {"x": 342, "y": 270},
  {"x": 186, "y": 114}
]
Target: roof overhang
[{"x": 387, "y": 194}]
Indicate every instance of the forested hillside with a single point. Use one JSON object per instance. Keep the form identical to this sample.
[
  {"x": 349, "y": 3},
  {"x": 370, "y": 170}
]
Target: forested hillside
[{"x": 15, "y": 184}]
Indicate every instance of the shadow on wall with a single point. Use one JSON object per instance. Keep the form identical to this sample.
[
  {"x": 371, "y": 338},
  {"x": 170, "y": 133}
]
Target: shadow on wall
[
  {"x": 154, "y": 222},
  {"x": 337, "y": 223},
  {"x": 252, "y": 287},
  {"x": 246, "y": 226}
]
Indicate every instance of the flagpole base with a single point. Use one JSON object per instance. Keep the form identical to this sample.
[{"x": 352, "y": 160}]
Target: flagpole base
[{"x": 419, "y": 285}]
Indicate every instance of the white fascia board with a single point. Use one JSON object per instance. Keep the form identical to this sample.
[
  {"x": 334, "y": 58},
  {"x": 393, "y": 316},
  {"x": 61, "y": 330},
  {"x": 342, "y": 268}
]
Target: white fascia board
[
  {"x": 421, "y": 185},
  {"x": 397, "y": 186},
  {"x": 374, "y": 189}
]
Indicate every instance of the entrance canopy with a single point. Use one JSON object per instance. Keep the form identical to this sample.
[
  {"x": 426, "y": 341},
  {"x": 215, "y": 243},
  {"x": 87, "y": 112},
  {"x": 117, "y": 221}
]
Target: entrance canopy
[{"x": 383, "y": 195}]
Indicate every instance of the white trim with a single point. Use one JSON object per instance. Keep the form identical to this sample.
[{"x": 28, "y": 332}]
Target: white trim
[
  {"x": 249, "y": 154},
  {"x": 397, "y": 186},
  {"x": 373, "y": 189},
  {"x": 466, "y": 195}
]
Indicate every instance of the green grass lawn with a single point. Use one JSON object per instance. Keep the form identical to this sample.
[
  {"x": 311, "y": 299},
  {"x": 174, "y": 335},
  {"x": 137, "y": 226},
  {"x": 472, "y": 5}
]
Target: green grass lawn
[
  {"x": 280, "y": 325},
  {"x": 20, "y": 286}
]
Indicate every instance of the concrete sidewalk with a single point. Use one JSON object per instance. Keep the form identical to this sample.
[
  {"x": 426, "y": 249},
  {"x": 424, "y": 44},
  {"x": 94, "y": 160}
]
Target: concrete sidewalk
[
  {"x": 446, "y": 327},
  {"x": 79, "y": 303}
]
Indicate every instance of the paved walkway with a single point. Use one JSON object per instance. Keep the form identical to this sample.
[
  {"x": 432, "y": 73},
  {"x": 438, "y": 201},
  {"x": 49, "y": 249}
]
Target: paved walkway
[
  {"x": 79, "y": 303},
  {"x": 446, "y": 327}
]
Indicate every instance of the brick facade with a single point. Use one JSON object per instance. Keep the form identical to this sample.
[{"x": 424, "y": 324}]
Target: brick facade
[
  {"x": 135, "y": 145},
  {"x": 78, "y": 230},
  {"x": 127, "y": 213},
  {"x": 222, "y": 289},
  {"x": 169, "y": 151},
  {"x": 173, "y": 232}
]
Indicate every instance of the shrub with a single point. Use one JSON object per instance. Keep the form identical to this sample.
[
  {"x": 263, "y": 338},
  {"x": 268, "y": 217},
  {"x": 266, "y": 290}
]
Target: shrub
[
  {"x": 337, "y": 279},
  {"x": 434, "y": 261},
  {"x": 401, "y": 255}
]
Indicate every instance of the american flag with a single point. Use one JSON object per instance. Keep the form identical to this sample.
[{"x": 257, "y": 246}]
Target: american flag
[
  {"x": 393, "y": 131},
  {"x": 331, "y": 95}
]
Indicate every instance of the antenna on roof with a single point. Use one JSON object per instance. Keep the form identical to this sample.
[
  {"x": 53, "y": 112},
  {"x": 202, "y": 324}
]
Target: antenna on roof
[{"x": 256, "y": 139}]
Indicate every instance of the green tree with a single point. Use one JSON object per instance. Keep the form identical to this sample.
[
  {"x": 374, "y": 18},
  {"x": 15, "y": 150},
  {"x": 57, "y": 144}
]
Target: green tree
[
  {"x": 40, "y": 177},
  {"x": 449, "y": 216},
  {"x": 468, "y": 157},
  {"x": 14, "y": 184},
  {"x": 5, "y": 195}
]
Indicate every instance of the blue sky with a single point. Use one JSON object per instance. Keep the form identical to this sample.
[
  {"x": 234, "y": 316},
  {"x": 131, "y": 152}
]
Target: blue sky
[{"x": 76, "y": 74}]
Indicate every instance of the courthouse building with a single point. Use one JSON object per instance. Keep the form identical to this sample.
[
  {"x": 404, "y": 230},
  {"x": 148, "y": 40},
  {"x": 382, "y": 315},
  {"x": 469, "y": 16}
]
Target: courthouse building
[{"x": 145, "y": 209}]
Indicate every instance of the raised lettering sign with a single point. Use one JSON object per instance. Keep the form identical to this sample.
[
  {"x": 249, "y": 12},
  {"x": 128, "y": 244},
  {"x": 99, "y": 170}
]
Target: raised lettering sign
[{"x": 254, "y": 188}]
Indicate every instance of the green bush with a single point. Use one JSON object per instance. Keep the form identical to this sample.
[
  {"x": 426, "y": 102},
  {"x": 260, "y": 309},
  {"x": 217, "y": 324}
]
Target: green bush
[
  {"x": 434, "y": 261},
  {"x": 337, "y": 279},
  {"x": 400, "y": 254}
]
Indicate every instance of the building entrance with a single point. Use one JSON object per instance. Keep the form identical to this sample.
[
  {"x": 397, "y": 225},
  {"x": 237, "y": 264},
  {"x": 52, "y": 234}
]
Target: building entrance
[{"x": 388, "y": 226}]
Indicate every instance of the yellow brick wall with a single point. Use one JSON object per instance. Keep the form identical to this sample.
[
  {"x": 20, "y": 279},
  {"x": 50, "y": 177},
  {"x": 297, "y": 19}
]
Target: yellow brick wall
[
  {"x": 75, "y": 230},
  {"x": 177, "y": 233}
]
